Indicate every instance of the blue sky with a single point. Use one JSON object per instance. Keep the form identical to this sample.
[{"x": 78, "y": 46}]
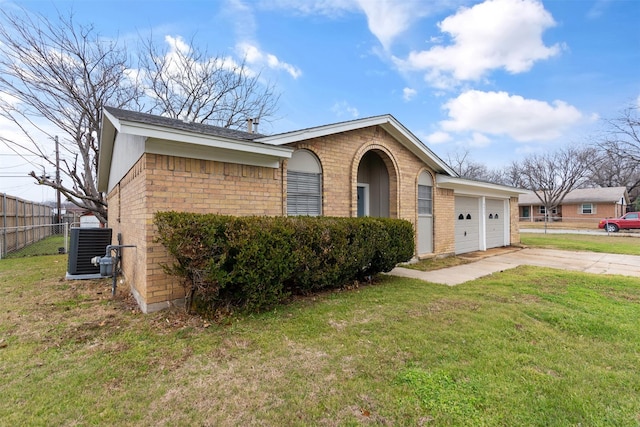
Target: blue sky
[{"x": 500, "y": 78}]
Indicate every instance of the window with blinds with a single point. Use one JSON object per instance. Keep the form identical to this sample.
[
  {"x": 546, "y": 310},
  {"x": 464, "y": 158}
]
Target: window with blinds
[
  {"x": 304, "y": 193},
  {"x": 425, "y": 200}
]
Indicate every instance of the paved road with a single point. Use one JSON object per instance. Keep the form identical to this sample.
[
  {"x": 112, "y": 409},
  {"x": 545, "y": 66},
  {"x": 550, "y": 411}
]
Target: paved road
[{"x": 588, "y": 262}]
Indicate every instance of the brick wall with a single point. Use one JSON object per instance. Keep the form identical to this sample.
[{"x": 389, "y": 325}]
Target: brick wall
[
  {"x": 444, "y": 224},
  {"x": 163, "y": 183},
  {"x": 601, "y": 210},
  {"x": 514, "y": 227},
  {"x": 340, "y": 157}
]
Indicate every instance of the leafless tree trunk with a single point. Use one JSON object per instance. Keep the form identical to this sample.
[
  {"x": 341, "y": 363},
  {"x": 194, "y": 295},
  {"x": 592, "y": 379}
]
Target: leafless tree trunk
[
  {"x": 183, "y": 82},
  {"x": 54, "y": 79},
  {"x": 554, "y": 174}
]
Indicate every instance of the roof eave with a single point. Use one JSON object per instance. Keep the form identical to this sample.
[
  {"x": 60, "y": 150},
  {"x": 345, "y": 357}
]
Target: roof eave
[
  {"x": 109, "y": 128},
  {"x": 472, "y": 187},
  {"x": 387, "y": 122}
]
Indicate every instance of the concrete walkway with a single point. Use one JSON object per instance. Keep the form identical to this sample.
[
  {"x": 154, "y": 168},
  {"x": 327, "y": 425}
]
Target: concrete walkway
[{"x": 588, "y": 262}]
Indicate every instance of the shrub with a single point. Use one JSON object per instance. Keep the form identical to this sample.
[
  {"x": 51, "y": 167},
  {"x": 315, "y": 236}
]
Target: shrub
[{"x": 253, "y": 263}]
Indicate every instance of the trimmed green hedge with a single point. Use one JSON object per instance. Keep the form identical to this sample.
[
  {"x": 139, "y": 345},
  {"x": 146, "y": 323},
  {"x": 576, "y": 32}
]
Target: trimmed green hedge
[{"x": 253, "y": 263}]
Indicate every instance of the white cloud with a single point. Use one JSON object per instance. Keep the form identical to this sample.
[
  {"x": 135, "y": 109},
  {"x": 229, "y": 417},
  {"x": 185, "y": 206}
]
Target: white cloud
[
  {"x": 438, "y": 137},
  {"x": 255, "y": 56},
  {"x": 342, "y": 108},
  {"x": 598, "y": 9},
  {"x": 177, "y": 44},
  {"x": 496, "y": 34},
  {"x": 498, "y": 113},
  {"x": 242, "y": 14},
  {"x": 408, "y": 93},
  {"x": 386, "y": 19},
  {"x": 479, "y": 140},
  {"x": 389, "y": 18}
]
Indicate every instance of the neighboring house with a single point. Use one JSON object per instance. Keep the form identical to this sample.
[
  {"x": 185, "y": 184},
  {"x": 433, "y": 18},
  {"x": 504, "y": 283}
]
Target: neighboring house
[
  {"x": 578, "y": 205},
  {"x": 372, "y": 166}
]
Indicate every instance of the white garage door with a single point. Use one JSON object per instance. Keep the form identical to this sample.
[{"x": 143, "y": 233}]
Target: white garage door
[
  {"x": 467, "y": 229},
  {"x": 495, "y": 223}
]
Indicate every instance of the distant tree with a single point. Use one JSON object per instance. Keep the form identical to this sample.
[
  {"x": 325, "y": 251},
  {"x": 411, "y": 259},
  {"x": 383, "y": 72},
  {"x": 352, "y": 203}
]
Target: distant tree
[
  {"x": 612, "y": 169},
  {"x": 513, "y": 176},
  {"x": 184, "y": 82},
  {"x": 553, "y": 174},
  {"x": 460, "y": 161},
  {"x": 622, "y": 134},
  {"x": 63, "y": 73},
  {"x": 618, "y": 149}
]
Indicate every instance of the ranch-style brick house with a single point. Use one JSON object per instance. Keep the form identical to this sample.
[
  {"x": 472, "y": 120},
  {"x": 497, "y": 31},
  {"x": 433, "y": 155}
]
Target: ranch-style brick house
[
  {"x": 581, "y": 204},
  {"x": 371, "y": 166}
]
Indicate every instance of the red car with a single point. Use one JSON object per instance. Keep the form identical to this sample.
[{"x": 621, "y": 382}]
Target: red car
[{"x": 626, "y": 222}]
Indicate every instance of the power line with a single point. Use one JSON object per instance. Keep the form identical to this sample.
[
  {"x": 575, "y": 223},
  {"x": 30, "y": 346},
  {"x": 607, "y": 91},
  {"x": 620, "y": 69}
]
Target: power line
[{"x": 20, "y": 155}]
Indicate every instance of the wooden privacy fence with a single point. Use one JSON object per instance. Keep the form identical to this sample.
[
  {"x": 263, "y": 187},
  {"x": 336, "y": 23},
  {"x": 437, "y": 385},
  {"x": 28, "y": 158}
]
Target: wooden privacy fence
[{"x": 23, "y": 223}]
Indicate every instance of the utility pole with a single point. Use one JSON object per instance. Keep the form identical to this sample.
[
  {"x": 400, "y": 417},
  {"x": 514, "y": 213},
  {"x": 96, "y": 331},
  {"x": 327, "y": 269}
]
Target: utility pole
[{"x": 58, "y": 180}]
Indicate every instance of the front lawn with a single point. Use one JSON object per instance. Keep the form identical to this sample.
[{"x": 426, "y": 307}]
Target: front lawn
[
  {"x": 614, "y": 244},
  {"x": 526, "y": 347}
]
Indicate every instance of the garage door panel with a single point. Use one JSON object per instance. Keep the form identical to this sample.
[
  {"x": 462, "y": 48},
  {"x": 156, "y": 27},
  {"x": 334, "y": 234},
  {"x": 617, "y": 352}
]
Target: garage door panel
[
  {"x": 495, "y": 223},
  {"x": 467, "y": 224}
]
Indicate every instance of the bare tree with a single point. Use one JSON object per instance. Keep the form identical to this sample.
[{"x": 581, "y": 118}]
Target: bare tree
[
  {"x": 55, "y": 77},
  {"x": 184, "y": 82},
  {"x": 611, "y": 168},
  {"x": 622, "y": 136},
  {"x": 513, "y": 176},
  {"x": 555, "y": 173},
  {"x": 618, "y": 161},
  {"x": 461, "y": 163}
]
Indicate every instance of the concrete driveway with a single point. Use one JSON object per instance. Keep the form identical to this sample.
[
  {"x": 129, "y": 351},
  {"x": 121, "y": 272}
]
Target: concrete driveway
[{"x": 588, "y": 262}]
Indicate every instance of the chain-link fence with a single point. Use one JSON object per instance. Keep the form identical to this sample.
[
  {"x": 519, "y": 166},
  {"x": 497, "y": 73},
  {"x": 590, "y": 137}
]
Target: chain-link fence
[{"x": 31, "y": 240}]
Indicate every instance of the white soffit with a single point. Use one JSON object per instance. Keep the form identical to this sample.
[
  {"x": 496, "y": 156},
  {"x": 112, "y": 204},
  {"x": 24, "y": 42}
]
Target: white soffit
[
  {"x": 208, "y": 152},
  {"x": 462, "y": 186}
]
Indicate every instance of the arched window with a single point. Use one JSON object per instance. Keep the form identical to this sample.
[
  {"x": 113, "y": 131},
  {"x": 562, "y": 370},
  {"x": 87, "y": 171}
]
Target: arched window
[{"x": 304, "y": 184}]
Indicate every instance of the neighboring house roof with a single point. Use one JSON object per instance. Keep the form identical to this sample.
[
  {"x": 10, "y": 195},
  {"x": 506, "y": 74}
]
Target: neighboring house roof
[
  {"x": 387, "y": 122},
  {"x": 584, "y": 195}
]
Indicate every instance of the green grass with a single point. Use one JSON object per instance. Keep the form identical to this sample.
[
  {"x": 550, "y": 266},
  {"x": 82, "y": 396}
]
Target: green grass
[
  {"x": 437, "y": 263},
  {"x": 582, "y": 242},
  {"x": 47, "y": 246},
  {"x": 526, "y": 347}
]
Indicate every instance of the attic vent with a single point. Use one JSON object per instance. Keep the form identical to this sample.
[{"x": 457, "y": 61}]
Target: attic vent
[{"x": 85, "y": 244}]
